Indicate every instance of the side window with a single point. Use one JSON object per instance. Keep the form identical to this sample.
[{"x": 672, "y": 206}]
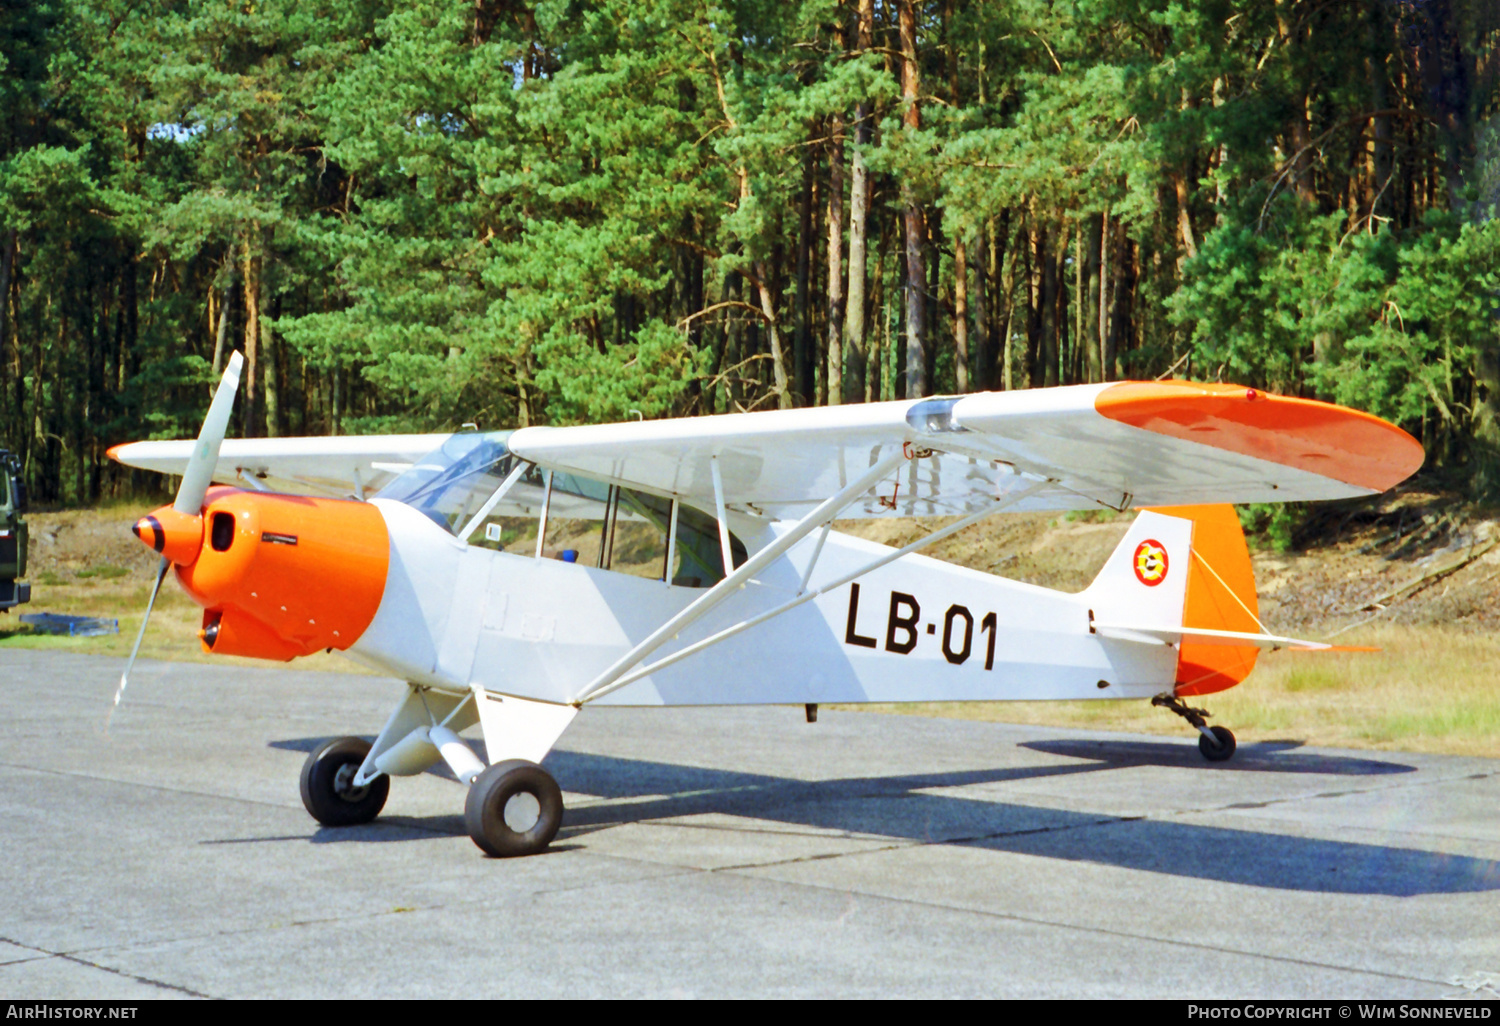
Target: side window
[
  {"x": 638, "y": 544},
  {"x": 576, "y": 519},
  {"x": 619, "y": 529},
  {"x": 700, "y": 562}
]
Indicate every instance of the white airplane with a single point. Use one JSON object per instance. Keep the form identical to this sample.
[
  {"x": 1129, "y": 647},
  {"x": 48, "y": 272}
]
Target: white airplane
[{"x": 513, "y": 578}]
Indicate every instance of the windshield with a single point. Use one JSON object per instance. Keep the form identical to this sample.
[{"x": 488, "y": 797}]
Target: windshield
[{"x": 452, "y": 482}]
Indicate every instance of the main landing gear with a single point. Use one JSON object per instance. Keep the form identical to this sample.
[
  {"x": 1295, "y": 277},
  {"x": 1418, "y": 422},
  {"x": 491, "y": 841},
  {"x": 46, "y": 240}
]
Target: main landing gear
[
  {"x": 513, "y": 807},
  {"x": 1216, "y": 744},
  {"x": 328, "y": 789}
]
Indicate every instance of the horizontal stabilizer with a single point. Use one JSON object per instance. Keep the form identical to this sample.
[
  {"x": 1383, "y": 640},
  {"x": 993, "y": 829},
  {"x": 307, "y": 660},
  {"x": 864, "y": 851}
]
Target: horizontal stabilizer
[{"x": 1148, "y": 635}]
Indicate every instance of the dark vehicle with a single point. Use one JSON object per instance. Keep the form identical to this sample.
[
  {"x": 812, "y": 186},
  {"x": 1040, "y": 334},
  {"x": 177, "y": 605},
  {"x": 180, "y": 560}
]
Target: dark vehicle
[{"x": 12, "y": 533}]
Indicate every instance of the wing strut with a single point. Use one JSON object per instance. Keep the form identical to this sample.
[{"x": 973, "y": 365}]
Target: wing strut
[
  {"x": 494, "y": 499},
  {"x": 724, "y": 546},
  {"x": 705, "y": 603},
  {"x": 807, "y": 596}
]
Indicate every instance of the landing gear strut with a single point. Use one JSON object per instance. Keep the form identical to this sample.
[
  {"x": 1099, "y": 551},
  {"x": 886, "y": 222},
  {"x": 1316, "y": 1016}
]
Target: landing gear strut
[{"x": 1216, "y": 743}]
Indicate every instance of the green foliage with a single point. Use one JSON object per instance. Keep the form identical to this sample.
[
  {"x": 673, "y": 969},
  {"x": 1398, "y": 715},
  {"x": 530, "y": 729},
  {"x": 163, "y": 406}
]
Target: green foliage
[
  {"x": 1271, "y": 525},
  {"x": 418, "y": 215},
  {"x": 105, "y": 571}
]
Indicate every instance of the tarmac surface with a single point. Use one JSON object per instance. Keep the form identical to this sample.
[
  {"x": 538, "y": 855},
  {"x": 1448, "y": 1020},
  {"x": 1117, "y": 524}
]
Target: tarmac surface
[{"x": 717, "y": 853}]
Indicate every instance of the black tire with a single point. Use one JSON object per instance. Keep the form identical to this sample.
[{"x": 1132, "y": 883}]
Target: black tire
[
  {"x": 1223, "y": 751},
  {"x": 491, "y": 793},
  {"x": 327, "y": 793}
]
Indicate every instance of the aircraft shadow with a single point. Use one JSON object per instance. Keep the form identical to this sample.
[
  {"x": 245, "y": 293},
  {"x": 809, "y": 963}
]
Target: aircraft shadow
[
  {"x": 1256, "y": 757},
  {"x": 898, "y": 807}
]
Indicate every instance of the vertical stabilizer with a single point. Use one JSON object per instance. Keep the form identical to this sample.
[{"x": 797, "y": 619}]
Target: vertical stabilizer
[
  {"x": 1220, "y": 596},
  {"x": 1145, "y": 578},
  {"x": 1185, "y": 566}
]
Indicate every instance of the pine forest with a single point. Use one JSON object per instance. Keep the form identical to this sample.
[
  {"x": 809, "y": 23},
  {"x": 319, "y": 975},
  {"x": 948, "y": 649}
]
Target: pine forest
[{"x": 416, "y": 215}]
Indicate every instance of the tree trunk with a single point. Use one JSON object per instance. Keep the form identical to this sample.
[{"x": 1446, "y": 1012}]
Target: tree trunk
[
  {"x": 859, "y": 207},
  {"x": 835, "y": 371},
  {"x": 268, "y": 359},
  {"x": 7, "y": 268},
  {"x": 983, "y": 359},
  {"x": 1036, "y": 306},
  {"x": 223, "y": 333},
  {"x": 915, "y": 223},
  {"x": 1300, "y": 134},
  {"x": 778, "y": 368},
  {"x": 933, "y": 254},
  {"x": 1050, "y": 257},
  {"x": 960, "y": 315},
  {"x": 1184, "y": 218},
  {"x": 1008, "y": 289},
  {"x": 252, "y": 332},
  {"x": 878, "y": 380},
  {"x": 1089, "y": 299},
  {"x": 802, "y": 363}
]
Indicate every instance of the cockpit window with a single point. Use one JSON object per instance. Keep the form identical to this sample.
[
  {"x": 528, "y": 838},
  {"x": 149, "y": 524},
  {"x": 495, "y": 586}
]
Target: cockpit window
[
  {"x": 587, "y": 521},
  {"x": 451, "y": 483}
]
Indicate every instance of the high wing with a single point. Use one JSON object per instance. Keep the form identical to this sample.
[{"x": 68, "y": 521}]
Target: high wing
[
  {"x": 1118, "y": 445},
  {"x": 336, "y": 466}
]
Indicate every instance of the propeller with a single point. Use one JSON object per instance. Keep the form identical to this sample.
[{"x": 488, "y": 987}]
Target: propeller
[{"x": 191, "y": 492}]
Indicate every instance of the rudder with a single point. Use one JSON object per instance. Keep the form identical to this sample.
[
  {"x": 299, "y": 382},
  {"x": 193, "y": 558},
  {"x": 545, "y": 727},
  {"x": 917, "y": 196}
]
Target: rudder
[{"x": 1220, "y": 596}]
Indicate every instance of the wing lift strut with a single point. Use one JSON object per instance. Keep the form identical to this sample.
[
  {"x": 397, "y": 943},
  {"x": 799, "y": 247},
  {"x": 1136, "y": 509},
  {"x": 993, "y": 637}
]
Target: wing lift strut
[{"x": 627, "y": 669}]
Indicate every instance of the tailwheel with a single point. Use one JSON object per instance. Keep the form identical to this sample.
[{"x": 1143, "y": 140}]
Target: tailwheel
[
  {"x": 1221, "y": 748},
  {"x": 328, "y": 790},
  {"x": 1216, "y": 744},
  {"x": 513, "y": 808}
]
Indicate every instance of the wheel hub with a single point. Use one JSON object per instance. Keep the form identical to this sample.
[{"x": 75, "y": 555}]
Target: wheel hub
[
  {"x": 522, "y": 810},
  {"x": 343, "y": 783}
]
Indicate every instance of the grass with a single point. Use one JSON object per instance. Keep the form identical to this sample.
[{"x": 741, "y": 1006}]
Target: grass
[
  {"x": 107, "y": 572},
  {"x": 1430, "y": 689}
]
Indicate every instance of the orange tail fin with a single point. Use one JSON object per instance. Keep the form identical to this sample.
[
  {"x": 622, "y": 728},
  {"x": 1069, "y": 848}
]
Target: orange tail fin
[{"x": 1220, "y": 596}]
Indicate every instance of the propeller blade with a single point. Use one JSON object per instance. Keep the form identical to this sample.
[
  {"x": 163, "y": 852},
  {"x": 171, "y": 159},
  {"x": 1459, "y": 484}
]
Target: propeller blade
[
  {"x": 200, "y": 469},
  {"x": 161, "y": 575}
]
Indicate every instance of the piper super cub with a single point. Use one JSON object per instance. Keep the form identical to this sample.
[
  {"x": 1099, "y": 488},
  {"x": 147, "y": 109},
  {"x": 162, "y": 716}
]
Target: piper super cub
[{"x": 512, "y": 578}]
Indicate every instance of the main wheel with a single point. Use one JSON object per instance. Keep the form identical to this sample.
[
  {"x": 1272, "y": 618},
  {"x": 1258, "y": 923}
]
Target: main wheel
[
  {"x": 328, "y": 790},
  {"x": 513, "y": 808},
  {"x": 1221, "y": 752}
]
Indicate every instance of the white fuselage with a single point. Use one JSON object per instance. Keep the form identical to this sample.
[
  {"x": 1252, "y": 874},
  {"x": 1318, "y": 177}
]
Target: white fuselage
[{"x": 916, "y": 629}]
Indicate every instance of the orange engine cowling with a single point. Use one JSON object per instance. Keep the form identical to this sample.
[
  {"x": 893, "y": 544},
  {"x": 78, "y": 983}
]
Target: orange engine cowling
[{"x": 280, "y": 576}]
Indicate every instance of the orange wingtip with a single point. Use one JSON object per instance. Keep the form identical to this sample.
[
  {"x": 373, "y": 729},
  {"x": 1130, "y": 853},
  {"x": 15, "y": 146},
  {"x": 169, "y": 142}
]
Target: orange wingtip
[
  {"x": 1320, "y": 438},
  {"x": 113, "y": 452}
]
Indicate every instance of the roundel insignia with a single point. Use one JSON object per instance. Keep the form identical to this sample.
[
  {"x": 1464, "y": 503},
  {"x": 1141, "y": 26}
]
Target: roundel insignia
[{"x": 1150, "y": 562}]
